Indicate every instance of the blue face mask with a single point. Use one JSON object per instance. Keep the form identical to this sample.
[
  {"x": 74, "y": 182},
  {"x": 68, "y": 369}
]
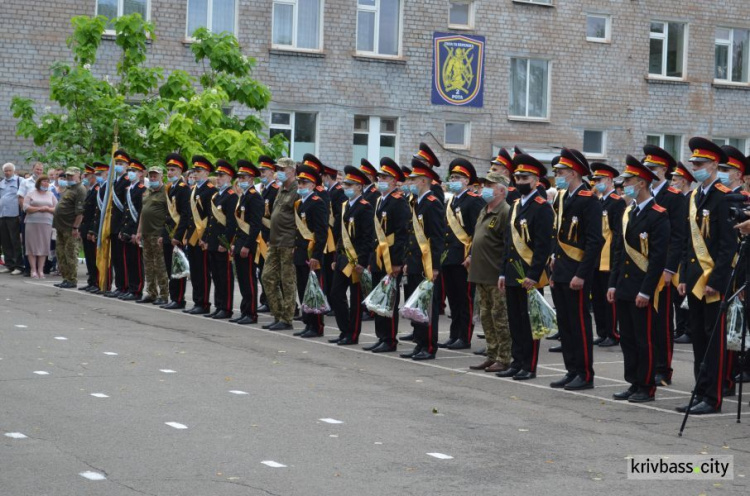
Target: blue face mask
[
  {"x": 413, "y": 189},
  {"x": 191, "y": 182},
  {"x": 281, "y": 176},
  {"x": 724, "y": 178},
  {"x": 630, "y": 191},
  {"x": 223, "y": 187},
  {"x": 119, "y": 169},
  {"x": 701, "y": 175},
  {"x": 601, "y": 187},
  {"x": 455, "y": 186},
  {"x": 405, "y": 189},
  {"x": 173, "y": 180},
  {"x": 245, "y": 185},
  {"x": 132, "y": 176},
  {"x": 264, "y": 180},
  {"x": 303, "y": 191},
  {"x": 383, "y": 186},
  {"x": 44, "y": 188},
  {"x": 62, "y": 183},
  {"x": 561, "y": 182},
  {"x": 488, "y": 194},
  {"x": 100, "y": 180},
  {"x": 85, "y": 182},
  {"x": 154, "y": 184},
  {"x": 349, "y": 193},
  {"x": 201, "y": 182}
]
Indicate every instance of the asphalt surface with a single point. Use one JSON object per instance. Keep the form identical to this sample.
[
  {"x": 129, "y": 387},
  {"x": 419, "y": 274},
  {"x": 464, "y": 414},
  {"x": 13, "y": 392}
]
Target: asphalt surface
[{"x": 385, "y": 415}]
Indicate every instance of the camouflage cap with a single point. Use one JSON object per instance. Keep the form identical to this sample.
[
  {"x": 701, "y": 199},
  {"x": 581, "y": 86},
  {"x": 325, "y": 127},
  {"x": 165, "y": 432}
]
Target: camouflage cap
[
  {"x": 72, "y": 170},
  {"x": 285, "y": 162},
  {"x": 497, "y": 178},
  {"x": 156, "y": 169}
]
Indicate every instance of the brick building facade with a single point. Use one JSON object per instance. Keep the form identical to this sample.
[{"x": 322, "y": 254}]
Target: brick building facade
[{"x": 353, "y": 78}]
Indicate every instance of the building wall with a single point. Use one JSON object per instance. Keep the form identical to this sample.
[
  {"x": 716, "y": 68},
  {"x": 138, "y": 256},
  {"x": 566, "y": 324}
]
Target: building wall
[{"x": 593, "y": 85}]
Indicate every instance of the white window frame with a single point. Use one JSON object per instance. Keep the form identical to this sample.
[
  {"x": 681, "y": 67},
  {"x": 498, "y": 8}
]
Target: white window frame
[
  {"x": 120, "y": 8},
  {"x": 472, "y": 10},
  {"x": 290, "y": 126},
  {"x": 293, "y": 46},
  {"x": 376, "y": 30},
  {"x": 662, "y": 139},
  {"x": 528, "y": 81},
  {"x": 725, "y": 141},
  {"x": 209, "y": 18},
  {"x": 603, "y": 152},
  {"x": 373, "y": 137},
  {"x": 730, "y": 59},
  {"x": 607, "y": 28},
  {"x": 467, "y": 136},
  {"x": 544, "y": 3},
  {"x": 665, "y": 39}
]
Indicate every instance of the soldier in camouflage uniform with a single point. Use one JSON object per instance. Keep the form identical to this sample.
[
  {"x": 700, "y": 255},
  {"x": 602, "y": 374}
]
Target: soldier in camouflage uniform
[
  {"x": 150, "y": 228},
  {"x": 67, "y": 222}
]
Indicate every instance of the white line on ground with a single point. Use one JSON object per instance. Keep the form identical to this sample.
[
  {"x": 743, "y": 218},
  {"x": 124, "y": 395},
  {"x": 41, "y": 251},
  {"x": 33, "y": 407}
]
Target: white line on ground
[
  {"x": 168, "y": 371},
  {"x": 176, "y": 425},
  {"x": 110, "y": 353},
  {"x": 61, "y": 338},
  {"x": 331, "y": 421},
  {"x": 273, "y": 464},
  {"x": 94, "y": 476},
  {"x": 441, "y": 456},
  {"x": 238, "y": 392},
  {"x": 21, "y": 326},
  {"x": 41, "y": 372},
  {"x": 15, "y": 435},
  {"x": 99, "y": 395}
]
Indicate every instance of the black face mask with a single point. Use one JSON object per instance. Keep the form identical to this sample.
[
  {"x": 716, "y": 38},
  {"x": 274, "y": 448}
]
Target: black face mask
[{"x": 524, "y": 188}]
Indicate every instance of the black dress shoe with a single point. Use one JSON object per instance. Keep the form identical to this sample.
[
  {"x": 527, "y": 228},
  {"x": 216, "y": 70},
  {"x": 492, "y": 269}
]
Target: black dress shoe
[
  {"x": 641, "y": 397},
  {"x": 264, "y": 309},
  {"x": 743, "y": 377},
  {"x": 562, "y": 382},
  {"x": 554, "y": 336},
  {"x": 96, "y": 291},
  {"x": 408, "y": 337},
  {"x": 412, "y": 353},
  {"x": 58, "y": 284},
  {"x": 236, "y": 319},
  {"x": 459, "y": 344},
  {"x": 300, "y": 333},
  {"x": 211, "y": 315},
  {"x": 683, "y": 339},
  {"x": 268, "y": 326},
  {"x": 281, "y": 326},
  {"x": 524, "y": 375},
  {"x": 372, "y": 346},
  {"x": 123, "y": 295},
  {"x": 385, "y": 347},
  {"x": 222, "y": 315},
  {"x": 310, "y": 334},
  {"x": 556, "y": 349},
  {"x": 330, "y": 313},
  {"x": 662, "y": 380},
  {"x": 247, "y": 320},
  {"x": 509, "y": 372},
  {"x": 159, "y": 302},
  {"x": 445, "y": 344},
  {"x": 579, "y": 383},
  {"x": 625, "y": 394},
  {"x": 109, "y": 294},
  {"x": 480, "y": 336},
  {"x": 598, "y": 340},
  {"x": 170, "y": 306},
  {"x": 346, "y": 340},
  {"x": 145, "y": 300},
  {"x": 85, "y": 288},
  {"x": 196, "y": 310},
  {"x": 704, "y": 409},
  {"x": 608, "y": 343},
  {"x": 682, "y": 409},
  {"x": 129, "y": 297},
  {"x": 423, "y": 355},
  {"x": 482, "y": 352}
]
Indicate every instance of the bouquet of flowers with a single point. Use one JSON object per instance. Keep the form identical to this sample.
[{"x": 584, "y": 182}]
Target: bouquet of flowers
[
  {"x": 542, "y": 316},
  {"x": 314, "y": 300},
  {"x": 418, "y": 308},
  {"x": 383, "y": 298},
  {"x": 365, "y": 280},
  {"x": 735, "y": 324},
  {"x": 180, "y": 264}
]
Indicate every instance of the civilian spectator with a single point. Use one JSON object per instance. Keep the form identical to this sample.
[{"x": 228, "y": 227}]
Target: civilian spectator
[
  {"x": 10, "y": 223},
  {"x": 39, "y": 205}
]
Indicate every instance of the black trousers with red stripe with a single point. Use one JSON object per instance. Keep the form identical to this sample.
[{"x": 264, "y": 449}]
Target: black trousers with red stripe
[
  {"x": 222, "y": 275},
  {"x": 460, "y": 293},
  {"x": 200, "y": 277},
  {"x": 637, "y": 326},
  {"x": 117, "y": 251},
  {"x": 348, "y": 314},
  {"x": 89, "y": 252},
  {"x": 386, "y": 329},
  {"x": 311, "y": 320},
  {"x": 134, "y": 268},
  {"x": 574, "y": 323},
  {"x": 176, "y": 286},
  {"x": 425, "y": 335},
  {"x": 245, "y": 268},
  {"x": 524, "y": 348},
  {"x": 702, "y": 319},
  {"x": 605, "y": 313},
  {"x": 664, "y": 334},
  {"x": 682, "y": 325}
]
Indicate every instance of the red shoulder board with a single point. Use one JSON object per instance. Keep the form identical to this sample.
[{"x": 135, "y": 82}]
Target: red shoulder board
[
  {"x": 722, "y": 188},
  {"x": 744, "y": 193},
  {"x": 585, "y": 192},
  {"x": 398, "y": 194},
  {"x": 471, "y": 193},
  {"x": 315, "y": 197},
  {"x": 540, "y": 200},
  {"x": 140, "y": 185},
  {"x": 659, "y": 208},
  {"x": 615, "y": 196},
  {"x": 275, "y": 185},
  {"x": 230, "y": 191},
  {"x": 210, "y": 185},
  {"x": 431, "y": 198},
  {"x": 512, "y": 188},
  {"x": 674, "y": 190},
  {"x": 364, "y": 202},
  {"x": 96, "y": 187},
  {"x": 338, "y": 186}
]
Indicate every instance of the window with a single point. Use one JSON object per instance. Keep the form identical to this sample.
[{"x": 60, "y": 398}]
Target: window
[
  {"x": 594, "y": 143},
  {"x": 672, "y": 143},
  {"x": 374, "y": 138},
  {"x": 598, "y": 28},
  {"x": 529, "y": 88},
  {"x": 738, "y": 143},
  {"x": 378, "y": 26},
  {"x": 457, "y": 134},
  {"x": 216, "y": 15},
  {"x": 462, "y": 14},
  {"x": 112, "y": 9},
  {"x": 540, "y": 2},
  {"x": 667, "y": 49},
  {"x": 297, "y": 23},
  {"x": 732, "y": 52},
  {"x": 300, "y": 128}
]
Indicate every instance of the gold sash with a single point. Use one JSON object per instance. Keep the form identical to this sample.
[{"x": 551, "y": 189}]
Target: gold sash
[
  {"x": 304, "y": 231},
  {"x": 382, "y": 251},
  {"x": 200, "y": 223},
  {"x": 262, "y": 249},
  {"x": 457, "y": 228},
  {"x": 640, "y": 259},
  {"x": 604, "y": 264},
  {"x": 558, "y": 217},
  {"x": 701, "y": 252},
  {"x": 216, "y": 211},
  {"x": 351, "y": 253},
  {"x": 519, "y": 242},
  {"x": 424, "y": 245}
]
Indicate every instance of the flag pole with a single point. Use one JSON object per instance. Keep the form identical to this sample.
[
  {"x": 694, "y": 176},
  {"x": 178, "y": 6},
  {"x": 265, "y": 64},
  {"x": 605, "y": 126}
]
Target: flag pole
[{"x": 103, "y": 240}]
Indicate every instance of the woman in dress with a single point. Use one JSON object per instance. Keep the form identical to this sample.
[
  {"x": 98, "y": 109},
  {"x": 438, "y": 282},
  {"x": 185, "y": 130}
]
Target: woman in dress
[{"x": 39, "y": 205}]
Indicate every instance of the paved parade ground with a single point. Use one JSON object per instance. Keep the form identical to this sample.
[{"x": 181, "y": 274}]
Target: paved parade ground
[{"x": 162, "y": 403}]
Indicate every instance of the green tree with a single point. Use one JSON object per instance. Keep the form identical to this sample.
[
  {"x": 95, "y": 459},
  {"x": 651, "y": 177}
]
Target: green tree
[{"x": 156, "y": 114}]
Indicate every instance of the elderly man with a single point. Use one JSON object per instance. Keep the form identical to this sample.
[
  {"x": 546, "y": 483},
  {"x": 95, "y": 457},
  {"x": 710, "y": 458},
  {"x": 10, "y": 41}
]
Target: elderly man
[
  {"x": 67, "y": 221},
  {"x": 150, "y": 228},
  {"x": 10, "y": 223}
]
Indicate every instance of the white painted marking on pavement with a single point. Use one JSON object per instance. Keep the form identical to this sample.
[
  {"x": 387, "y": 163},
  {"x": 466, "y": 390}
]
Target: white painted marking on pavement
[
  {"x": 110, "y": 353},
  {"x": 61, "y": 338},
  {"x": 168, "y": 371},
  {"x": 273, "y": 464},
  {"x": 21, "y": 326},
  {"x": 441, "y": 456},
  {"x": 15, "y": 435},
  {"x": 331, "y": 421},
  {"x": 238, "y": 392},
  {"x": 176, "y": 425},
  {"x": 41, "y": 372},
  {"x": 99, "y": 395},
  {"x": 94, "y": 476}
]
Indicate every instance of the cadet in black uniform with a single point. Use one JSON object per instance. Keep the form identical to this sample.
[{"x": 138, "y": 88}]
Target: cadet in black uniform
[
  {"x": 311, "y": 216},
  {"x": 248, "y": 217},
  {"x": 89, "y": 215},
  {"x": 529, "y": 242},
  {"x": 461, "y": 217},
  {"x": 117, "y": 248},
  {"x": 217, "y": 240},
  {"x": 503, "y": 164},
  {"x": 200, "y": 206},
  {"x": 353, "y": 251},
  {"x": 176, "y": 225},
  {"x": 605, "y": 313},
  {"x": 101, "y": 171},
  {"x": 268, "y": 191},
  {"x": 129, "y": 229},
  {"x": 579, "y": 243},
  {"x": 682, "y": 181},
  {"x": 370, "y": 193},
  {"x": 637, "y": 269},
  {"x": 704, "y": 273},
  {"x": 337, "y": 196},
  {"x": 391, "y": 223},
  {"x": 427, "y": 157},
  {"x": 423, "y": 258}
]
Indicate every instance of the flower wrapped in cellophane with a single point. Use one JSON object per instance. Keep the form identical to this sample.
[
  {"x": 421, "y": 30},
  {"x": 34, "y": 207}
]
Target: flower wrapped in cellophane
[
  {"x": 314, "y": 300},
  {"x": 382, "y": 299},
  {"x": 418, "y": 308},
  {"x": 180, "y": 264}
]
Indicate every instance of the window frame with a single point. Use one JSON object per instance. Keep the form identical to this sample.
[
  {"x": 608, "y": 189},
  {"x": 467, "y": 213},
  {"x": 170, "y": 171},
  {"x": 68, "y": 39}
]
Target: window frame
[
  {"x": 472, "y": 12},
  {"x": 543, "y": 3},
  {"x": 665, "y": 44},
  {"x": 603, "y": 152},
  {"x": 662, "y": 138},
  {"x": 526, "y": 118},
  {"x": 467, "y": 135},
  {"x": 730, "y": 58},
  {"x": 209, "y": 18},
  {"x": 293, "y": 47},
  {"x": 745, "y": 150},
  {"x": 291, "y": 126},
  {"x": 607, "y": 28},
  {"x": 376, "y": 31},
  {"x": 373, "y": 138},
  {"x": 120, "y": 8}
]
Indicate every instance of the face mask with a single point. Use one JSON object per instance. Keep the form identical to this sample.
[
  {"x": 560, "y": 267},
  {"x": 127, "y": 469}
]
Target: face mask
[
  {"x": 154, "y": 184},
  {"x": 488, "y": 194},
  {"x": 723, "y": 177},
  {"x": 85, "y": 182},
  {"x": 383, "y": 186},
  {"x": 201, "y": 182},
  {"x": 561, "y": 182},
  {"x": 349, "y": 193},
  {"x": 303, "y": 191},
  {"x": 405, "y": 189},
  {"x": 455, "y": 186},
  {"x": 173, "y": 180},
  {"x": 281, "y": 176},
  {"x": 119, "y": 169},
  {"x": 523, "y": 188},
  {"x": 601, "y": 187},
  {"x": 223, "y": 187},
  {"x": 44, "y": 188},
  {"x": 630, "y": 191},
  {"x": 62, "y": 183},
  {"x": 191, "y": 182},
  {"x": 264, "y": 180},
  {"x": 413, "y": 189},
  {"x": 100, "y": 180},
  {"x": 701, "y": 175},
  {"x": 244, "y": 185},
  {"x": 132, "y": 176}
]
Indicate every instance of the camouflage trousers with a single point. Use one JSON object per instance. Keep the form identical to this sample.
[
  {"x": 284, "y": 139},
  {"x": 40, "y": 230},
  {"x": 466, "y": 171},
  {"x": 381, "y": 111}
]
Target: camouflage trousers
[
  {"x": 494, "y": 315},
  {"x": 157, "y": 284},
  {"x": 67, "y": 255},
  {"x": 280, "y": 283}
]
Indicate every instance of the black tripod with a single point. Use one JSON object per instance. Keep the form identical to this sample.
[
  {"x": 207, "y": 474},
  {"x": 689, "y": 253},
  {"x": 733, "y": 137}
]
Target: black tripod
[{"x": 742, "y": 257}]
